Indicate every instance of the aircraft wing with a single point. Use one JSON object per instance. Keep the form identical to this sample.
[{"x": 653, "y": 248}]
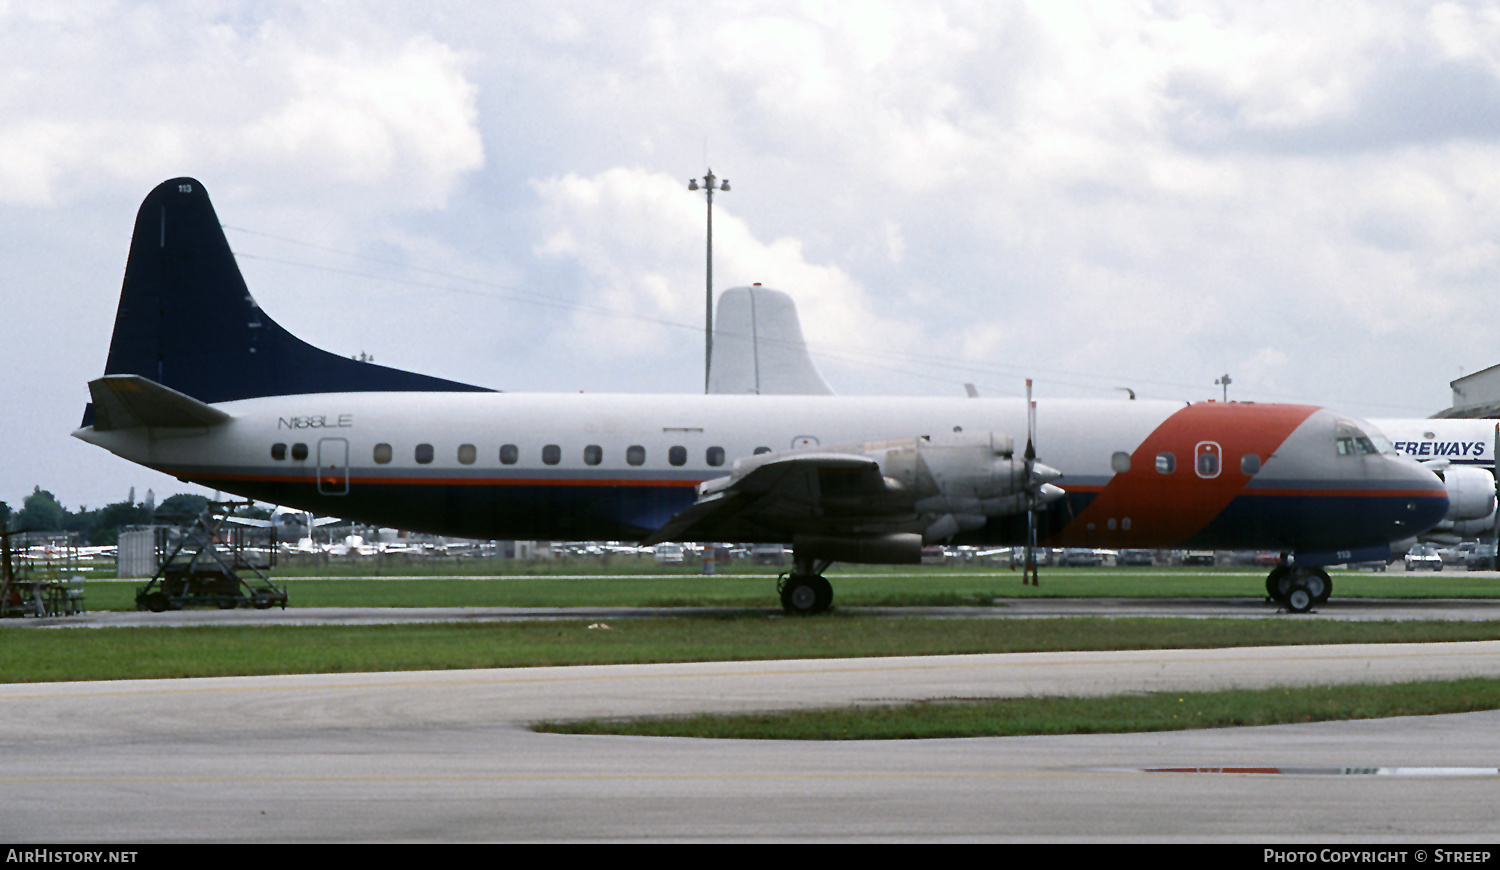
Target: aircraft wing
[
  {"x": 767, "y": 498},
  {"x": 252, "y": 522}
]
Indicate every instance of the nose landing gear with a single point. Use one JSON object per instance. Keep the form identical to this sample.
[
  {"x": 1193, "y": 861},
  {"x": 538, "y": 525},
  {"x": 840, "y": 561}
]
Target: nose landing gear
[{"x": 1298, "y": 589}]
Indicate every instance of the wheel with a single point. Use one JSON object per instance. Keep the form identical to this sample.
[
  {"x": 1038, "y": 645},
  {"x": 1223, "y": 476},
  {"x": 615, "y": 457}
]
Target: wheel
[
  {"x": 260, "y": 601},
  {"x": 1277, "y": 582},
  {"x": 1322, "y": 597},
  {"x": 1298, "y": 598},
  {"x": 806, "y": 594},
  {"x": 157, "y": 602},
  {"x": 228, "y": 603},
  {"x": 1315, "y": 581},
  {"x": 825, "y": 594}
]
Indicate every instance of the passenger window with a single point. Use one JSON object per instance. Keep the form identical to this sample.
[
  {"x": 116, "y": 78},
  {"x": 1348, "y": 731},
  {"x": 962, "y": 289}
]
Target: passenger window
[
  {"x": 467, "y": 454},
  {"x": 278, "y": 452},
  {"x": 635, "y": 454},
  {"x": 760, "y": 450},
  {"x": 383, "y": 454},
  {"x": 509, "y": 453},
  {"x": 551, "y": 454},
  {"x": 299, "y": 452},
  {"x": 1120, "y": 462},
  {"x": 593, "y": 454},
  {"x": 1166, "y": 463},
  {"x": 677, "y": 456},
  {"x": 715, "y": 456},
  {"x": 1250, "y": 464},
  {"x": 424, "y": 454}
]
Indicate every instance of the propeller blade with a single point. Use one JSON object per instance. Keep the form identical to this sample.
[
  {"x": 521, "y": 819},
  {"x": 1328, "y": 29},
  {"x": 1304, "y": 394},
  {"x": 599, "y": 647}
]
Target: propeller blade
[{"x": 1029, "y": 574}]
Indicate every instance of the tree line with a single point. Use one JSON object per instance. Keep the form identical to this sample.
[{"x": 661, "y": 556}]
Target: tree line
[{"x": 42, "y": 512}]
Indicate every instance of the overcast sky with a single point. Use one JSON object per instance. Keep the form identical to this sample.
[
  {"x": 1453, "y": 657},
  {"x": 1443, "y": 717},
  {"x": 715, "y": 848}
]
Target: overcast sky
[{"x": 1303, "y": 196}]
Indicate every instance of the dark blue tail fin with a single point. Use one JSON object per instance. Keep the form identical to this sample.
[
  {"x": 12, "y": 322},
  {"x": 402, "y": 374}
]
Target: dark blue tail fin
[{"x": 187, "y": 321}]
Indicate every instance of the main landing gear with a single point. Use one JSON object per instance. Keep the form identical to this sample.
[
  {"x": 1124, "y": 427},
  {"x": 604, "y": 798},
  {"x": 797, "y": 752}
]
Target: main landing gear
[
  {"x": 805, "y": 591},
  {"x": 1298, "y": 589}
]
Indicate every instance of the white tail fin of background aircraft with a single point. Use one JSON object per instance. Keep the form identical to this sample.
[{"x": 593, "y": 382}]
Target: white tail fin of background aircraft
[{"x": 758, "y": 347}]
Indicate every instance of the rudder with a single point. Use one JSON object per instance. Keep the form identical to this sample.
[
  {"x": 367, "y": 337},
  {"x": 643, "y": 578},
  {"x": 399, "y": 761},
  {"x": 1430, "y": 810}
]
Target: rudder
[{"x": 187, "y": 321}]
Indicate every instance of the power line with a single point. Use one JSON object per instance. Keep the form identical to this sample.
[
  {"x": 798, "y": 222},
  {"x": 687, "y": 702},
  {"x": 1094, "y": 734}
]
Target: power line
[{"x": 865, "y": 357}]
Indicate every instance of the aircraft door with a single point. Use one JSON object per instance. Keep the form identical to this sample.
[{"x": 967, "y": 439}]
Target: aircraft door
[
  {"x": 333, "y": 466},
  {"x": 1208, "y": 459}
]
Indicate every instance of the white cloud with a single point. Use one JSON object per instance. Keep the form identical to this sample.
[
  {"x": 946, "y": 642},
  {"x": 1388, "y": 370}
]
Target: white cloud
[
  {"x": 639, "y": 238},
  {"x": 164, "y": 94},
  {"x": 1307, "y": 196}
]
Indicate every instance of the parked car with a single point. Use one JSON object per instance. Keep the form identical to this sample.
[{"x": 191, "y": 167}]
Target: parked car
[
  {"x": 1422, "y": 557},
  {"x": 1135, "y": 557},
  {"x": 1481, "y": 558},
  {"x": 1076, "y": 557},
  {"x": 1458, "y": 554}
]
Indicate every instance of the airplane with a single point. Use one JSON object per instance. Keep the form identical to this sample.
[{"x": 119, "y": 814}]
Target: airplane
[
  {"x": 293, "y": 528},
  {"x": 764, "y": 352},
  {"x": 203, "y": 385},
  {"x": 1462, "y": 453}
]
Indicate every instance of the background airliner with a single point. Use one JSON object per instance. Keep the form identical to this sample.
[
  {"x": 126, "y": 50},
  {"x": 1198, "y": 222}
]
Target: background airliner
[{"x": 201, "y": 384}]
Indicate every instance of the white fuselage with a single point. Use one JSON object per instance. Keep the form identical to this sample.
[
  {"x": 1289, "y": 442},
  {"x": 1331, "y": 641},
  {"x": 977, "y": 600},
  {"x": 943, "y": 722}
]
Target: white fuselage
[{"x": 590, "y": 466}]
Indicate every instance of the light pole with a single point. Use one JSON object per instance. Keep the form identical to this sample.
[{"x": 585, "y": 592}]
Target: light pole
[
  {"x": 1224, "y": 382},
  {"x": 710, "y": 184}
]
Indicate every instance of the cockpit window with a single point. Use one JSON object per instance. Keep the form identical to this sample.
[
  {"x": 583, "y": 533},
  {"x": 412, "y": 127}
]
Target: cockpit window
[
  {"x": 1350, "y": 440},
  {"x": 1382, "y": 444}
]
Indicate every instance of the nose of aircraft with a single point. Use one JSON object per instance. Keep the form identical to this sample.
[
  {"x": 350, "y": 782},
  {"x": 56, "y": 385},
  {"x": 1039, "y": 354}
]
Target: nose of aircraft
[{"x": 1420, "y": 500}]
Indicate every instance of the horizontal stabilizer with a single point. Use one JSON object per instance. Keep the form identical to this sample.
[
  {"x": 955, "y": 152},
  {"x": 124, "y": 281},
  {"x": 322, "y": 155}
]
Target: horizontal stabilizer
[{"x": 129, "y": 401}]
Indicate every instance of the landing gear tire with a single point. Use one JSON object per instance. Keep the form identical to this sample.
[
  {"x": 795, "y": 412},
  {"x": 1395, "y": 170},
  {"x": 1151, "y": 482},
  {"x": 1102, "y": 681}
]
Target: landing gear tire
[
  {"x": 1299, "y": 598},
  {"x": 261, "y": 601},
  {"x": 1278, "y": 583},
  {"x": 157, "y": 602},
  {"x": 806, "y": 594},
  {"x": 1322, "y": 596}
]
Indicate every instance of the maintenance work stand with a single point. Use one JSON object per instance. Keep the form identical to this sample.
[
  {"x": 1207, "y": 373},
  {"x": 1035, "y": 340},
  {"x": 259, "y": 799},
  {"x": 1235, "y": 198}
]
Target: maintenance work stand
[
  {"x": 37, "y": 574},
  {"x": 210, "y": 562}
]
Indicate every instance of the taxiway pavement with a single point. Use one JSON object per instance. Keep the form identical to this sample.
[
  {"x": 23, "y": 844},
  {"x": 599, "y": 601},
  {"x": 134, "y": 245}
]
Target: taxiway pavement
[
  {"x": 1347, "y": 609},
  {"x": 447, "y": 756}
]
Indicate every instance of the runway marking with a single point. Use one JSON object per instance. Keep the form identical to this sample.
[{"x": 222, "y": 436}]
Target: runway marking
[{"x": 1328, "y": 771}]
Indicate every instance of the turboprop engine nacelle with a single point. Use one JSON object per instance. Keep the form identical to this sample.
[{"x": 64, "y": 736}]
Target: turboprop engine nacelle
[
  {"x": 968, "y": 474},
  {"x": 1471, "y": 493},
  {"x": 959, "y": 482},
  {"x": 1471, "y": 502}
]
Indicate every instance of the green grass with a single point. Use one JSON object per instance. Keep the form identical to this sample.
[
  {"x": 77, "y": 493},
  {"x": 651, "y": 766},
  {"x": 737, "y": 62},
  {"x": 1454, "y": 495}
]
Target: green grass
[
  {"x": 151, "y": 653},
  {"x": 1006, "y": 717},
  {"x": 933, "y": 587}
]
